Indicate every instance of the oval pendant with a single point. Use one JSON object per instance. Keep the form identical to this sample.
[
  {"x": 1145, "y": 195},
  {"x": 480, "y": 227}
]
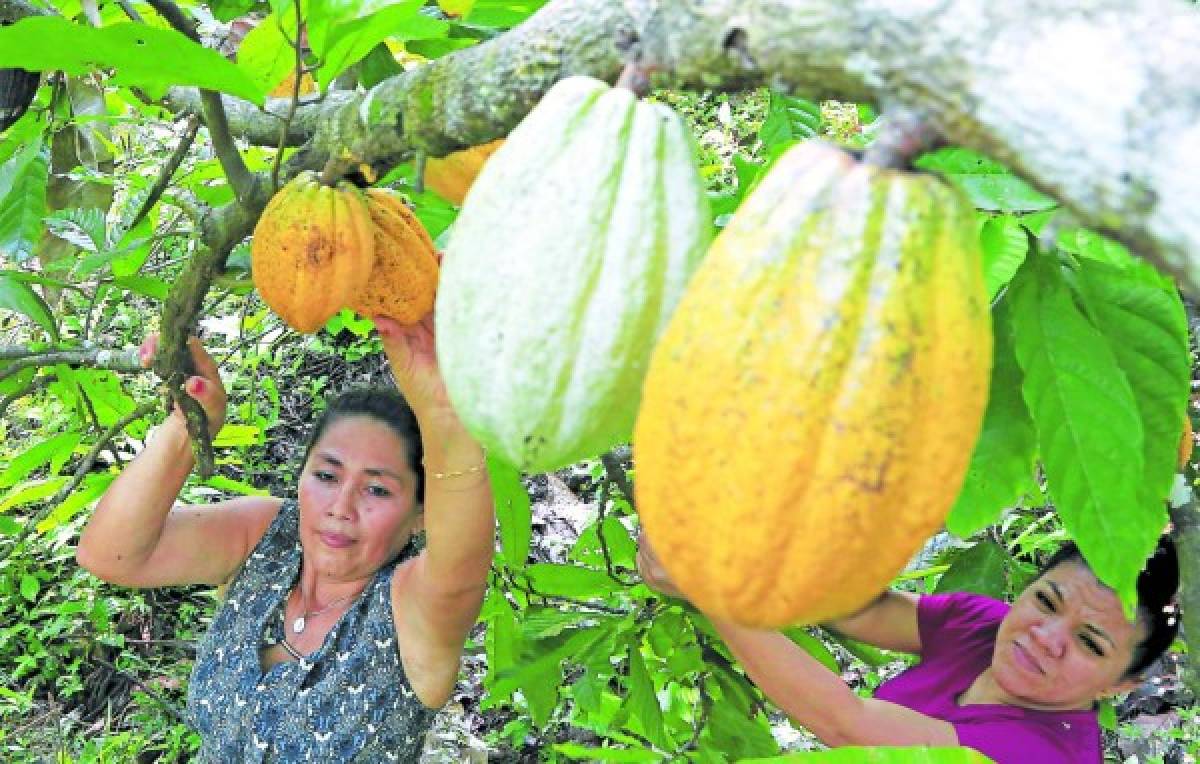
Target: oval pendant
[{"x": 298, "y": 625}]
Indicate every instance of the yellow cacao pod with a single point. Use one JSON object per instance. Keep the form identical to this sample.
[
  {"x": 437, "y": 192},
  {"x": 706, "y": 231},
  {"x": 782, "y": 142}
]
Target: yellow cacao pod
[
  {"x": 312, "y": 250},
  {"x": 403, "y": 283},
  {"x": 809, "y": 413},
  {"x": 452, "y": 175}
]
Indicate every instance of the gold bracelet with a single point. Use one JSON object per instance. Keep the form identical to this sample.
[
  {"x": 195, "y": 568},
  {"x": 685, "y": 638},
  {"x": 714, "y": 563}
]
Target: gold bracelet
[{"x": 459, "y": 473}]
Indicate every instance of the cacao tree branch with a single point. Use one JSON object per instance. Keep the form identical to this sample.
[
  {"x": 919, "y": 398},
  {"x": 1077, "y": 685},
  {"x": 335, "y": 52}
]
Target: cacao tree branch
[
  {"x": 15, "y": 10},
  {"x": 22, "y": 357}
]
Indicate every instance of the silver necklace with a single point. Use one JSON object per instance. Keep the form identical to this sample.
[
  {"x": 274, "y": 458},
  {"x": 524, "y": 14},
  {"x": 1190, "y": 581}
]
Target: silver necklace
[{"x": 302, "y": 619}]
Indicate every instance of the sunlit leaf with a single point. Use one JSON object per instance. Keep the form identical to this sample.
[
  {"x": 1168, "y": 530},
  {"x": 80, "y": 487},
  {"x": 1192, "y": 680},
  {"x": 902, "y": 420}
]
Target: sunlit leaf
[
  {"x": 1089, "y": 433},
  {"x": 143, "y": 56}
]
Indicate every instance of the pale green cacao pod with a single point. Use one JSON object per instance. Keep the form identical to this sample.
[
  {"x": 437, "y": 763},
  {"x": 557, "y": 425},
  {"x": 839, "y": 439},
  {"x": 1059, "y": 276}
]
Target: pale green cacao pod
[{"x": 569, "y": 254}]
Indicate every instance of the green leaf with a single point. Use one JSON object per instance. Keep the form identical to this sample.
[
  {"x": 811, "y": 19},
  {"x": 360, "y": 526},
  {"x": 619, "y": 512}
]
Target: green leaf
[
  {"x": 265, "y": 55},
  {"x": 92, "y": 487},
  {"x": 1005, "y": 245},
  {"x": 502, "y": 14},
  {"x": 988, "y": 184},
  {"x": 377, "y": 66},
  {"x": 789, "y": 119},
  {"x": 147, "y": 286},
  {"x": 238, "y": 435},
  {"x": 35, "y": 490},
  {"x": 587, "y": 753},
  {"x": 23, "y": 181},
  {"x": 570, "y": 580},
  {"x": 1093, "y": 246},
  {"x": 143, "y": 56},
  {"x": 1143, "y": 318},
  {"x": 38, "y": 455},
  {"x": 512, "y": 511},
  {"x": 30, "y": 587},
  {"x": 622, "y": 549},
  {"x": 857, "y": 755},
  {"x": 229, "y": 485},
  {"x": 19, "y": 297},
  {"x": 1002, "y": 465},
  {"x": 981, "y": 569},
  {"x": 1089, "y": 432},
  {"x": 642, "y": 701},
  {"x": 349, "y": 42},
  {"x": 814, "y": 647}
]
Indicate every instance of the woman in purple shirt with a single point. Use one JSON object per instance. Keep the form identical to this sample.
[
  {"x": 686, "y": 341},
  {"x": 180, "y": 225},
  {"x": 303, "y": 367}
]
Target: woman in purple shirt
[{"x": 1018, "y": 683}]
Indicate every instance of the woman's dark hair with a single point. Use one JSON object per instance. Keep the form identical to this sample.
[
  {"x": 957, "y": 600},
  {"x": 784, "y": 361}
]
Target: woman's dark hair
[
  {"x": 1156, "y": 587},
  {"x": 385, "y": 405}
]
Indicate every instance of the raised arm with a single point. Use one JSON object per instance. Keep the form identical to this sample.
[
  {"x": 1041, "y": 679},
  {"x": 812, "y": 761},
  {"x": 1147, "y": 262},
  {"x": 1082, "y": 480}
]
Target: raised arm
[
  {"x": 812, "y": 695},
  {"x": 437, "y": 596},
  {"x": 139, "y": 537}
]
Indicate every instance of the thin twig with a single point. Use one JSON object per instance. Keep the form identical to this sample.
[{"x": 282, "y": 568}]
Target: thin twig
[
  {"x": 600, "y": 513},
  {"x": 616, "y": 473},
  {"x": 168, "y": 170},
  {"x": 297, "y": 79}
]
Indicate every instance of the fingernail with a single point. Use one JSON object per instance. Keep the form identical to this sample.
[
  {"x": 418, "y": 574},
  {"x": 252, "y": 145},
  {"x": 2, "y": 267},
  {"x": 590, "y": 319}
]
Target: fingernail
[{"x": 196, "y": 386}]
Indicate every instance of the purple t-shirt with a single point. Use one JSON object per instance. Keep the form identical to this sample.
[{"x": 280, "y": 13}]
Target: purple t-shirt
[{"x": 958, "y": 635}]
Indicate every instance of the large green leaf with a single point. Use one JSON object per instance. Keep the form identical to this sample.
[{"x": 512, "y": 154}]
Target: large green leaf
[
  {"x": 502, "y": 13},
  {"x": 641, "y": 699},
  {"x": 1089, "y": 432},
  {"x": 265, "y": 54},
  {"x": 981, "y": 569},
  {"x": 513, "y": 511},
  {"x": 1144, "y": 320},
  {"x": 570, "y": 580},
  {"x": 988, "y": 184},
  {"x": 856, "y": 755},
  {"x": 1005, "y": 244},
  {"x": 38, "y": 455},
  {"x": 789, "y": 119},
  {"x": 19, "y": 297},
  {"x": 352, "y": 40},
  {"x": 23, "y": 180},
  {"x": 1002, "y": 465},
  {"x": 588, "y": 753},
  {"x": 142, "y": 56}
]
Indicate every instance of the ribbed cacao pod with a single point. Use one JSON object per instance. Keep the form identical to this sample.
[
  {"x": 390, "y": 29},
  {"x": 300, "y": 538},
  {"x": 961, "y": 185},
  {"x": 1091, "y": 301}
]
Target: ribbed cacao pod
[
  {"x": 565, "y": 263},
  {"x": 452, "y": 175},
  {"x": 312, "y": 251},
  {"x": 404, "y": 280},
  {"x": 17, "y": 89},
  {"x": 810, "y": 412}
]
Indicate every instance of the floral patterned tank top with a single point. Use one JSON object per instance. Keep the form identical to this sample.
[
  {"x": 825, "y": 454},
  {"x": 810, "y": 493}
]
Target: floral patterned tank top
[{"x": 347, "y": 702}]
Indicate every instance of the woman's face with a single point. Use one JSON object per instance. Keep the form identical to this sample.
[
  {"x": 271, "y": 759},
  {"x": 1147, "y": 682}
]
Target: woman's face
[
  {"x": 357, "y": 499},
  {"x": 1065, "y": 643}
]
